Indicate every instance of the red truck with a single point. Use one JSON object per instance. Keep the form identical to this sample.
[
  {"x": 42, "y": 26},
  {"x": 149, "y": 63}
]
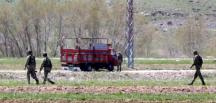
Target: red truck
[{"x": 94, "y": 54}]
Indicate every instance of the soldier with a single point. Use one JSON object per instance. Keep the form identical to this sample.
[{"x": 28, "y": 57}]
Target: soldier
[
  {"x": 31, "y": 66},
  {"x": 47, "y": 65},
  {"x": 120, "y": 60},
  {"x": 198, "y": 65}
]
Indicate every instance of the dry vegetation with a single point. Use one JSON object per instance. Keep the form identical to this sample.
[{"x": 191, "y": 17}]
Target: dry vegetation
[{"x": 172, "y": 31}]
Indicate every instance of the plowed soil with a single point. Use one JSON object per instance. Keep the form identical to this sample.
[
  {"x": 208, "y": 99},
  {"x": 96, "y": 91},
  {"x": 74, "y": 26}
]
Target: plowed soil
[{"x": 130, "y": 89}]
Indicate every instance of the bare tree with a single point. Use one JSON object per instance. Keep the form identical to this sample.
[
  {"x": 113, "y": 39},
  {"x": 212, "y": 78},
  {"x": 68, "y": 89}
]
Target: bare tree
[{"x": 192, "y": 35}]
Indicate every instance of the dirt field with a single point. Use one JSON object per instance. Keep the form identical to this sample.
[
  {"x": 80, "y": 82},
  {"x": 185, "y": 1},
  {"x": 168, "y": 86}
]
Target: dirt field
[
  {"x": 164, "y": 76},
  {"x": 124, "y": 75},
  {"x": 128, "y": 89},
  {"x": 138, "y": 75}
]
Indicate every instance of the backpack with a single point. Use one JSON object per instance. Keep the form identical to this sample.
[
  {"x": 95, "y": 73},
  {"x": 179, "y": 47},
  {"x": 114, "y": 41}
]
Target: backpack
[
  {"x": 32, "y": 60},
  {"x": 200, "y": 60},
  {"x": 48, "y": 63}
]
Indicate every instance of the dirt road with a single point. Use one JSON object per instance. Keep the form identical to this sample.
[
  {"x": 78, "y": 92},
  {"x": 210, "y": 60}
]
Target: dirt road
[{"x": 110, "y": 89}]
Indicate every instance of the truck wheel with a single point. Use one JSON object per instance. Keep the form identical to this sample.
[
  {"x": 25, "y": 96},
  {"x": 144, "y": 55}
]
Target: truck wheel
[
  {"x": 82, "y": 67},
  {"x": 110, "y": 67},
  {"x": 88, "y": 67},
  {"x": 71, "y": 68},
  {"x": 96, "y": 68}
]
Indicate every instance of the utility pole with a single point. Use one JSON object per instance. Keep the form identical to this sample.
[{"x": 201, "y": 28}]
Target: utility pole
[{"x": 130, "y": 34}]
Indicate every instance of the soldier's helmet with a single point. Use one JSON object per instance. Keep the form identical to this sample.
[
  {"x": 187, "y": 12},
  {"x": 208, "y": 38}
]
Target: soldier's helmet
[
  {"x": 44, "y": 54},
  {"x": 195, "y": 53},
  {"x": 29, "y": 52}
]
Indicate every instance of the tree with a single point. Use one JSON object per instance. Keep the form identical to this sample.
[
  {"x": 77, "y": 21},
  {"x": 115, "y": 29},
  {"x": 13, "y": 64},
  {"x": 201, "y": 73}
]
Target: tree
[
  {"x": 130, "y": 33},
  {"x": 115, "y": 24},
  {"x": 192, "y": 35},
  {"x": 145, "y": 34},
  {"x": 4, "y": 27}
]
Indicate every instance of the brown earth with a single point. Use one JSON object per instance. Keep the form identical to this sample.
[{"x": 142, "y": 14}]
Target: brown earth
[
  {"x": 128, "y": 89},
  {"x": 124, "y": 75}
]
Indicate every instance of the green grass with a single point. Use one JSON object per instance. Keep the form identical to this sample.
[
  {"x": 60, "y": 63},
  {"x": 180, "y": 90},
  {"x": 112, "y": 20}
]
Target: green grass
[
  {"x": 109, "y": 97},
  {"x": 171, "y": 61},
  {"x": 18, "y": 63},
  {"x": 116, "y": 83},
  {"x": 163, "y": 62}
]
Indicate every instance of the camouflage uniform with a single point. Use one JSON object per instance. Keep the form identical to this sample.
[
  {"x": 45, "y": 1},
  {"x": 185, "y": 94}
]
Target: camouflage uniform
[
  {"x": 47, "y": 65},
  {"x": 31, "y": 66}
]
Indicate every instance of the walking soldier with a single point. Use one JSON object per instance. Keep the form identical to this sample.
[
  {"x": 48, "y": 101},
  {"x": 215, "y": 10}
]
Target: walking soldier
[
  {"x": 47, "y": 65},
  {"x": 198, "y": 65},
  {"x": 31, "y": 66}
]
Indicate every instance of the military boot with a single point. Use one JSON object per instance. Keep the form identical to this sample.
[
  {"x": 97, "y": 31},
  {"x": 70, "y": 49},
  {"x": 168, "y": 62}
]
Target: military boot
[{"x": 37, "y": 81}]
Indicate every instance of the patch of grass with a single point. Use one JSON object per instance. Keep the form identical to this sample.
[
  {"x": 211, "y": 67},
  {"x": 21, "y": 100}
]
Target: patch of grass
[
  {"x": 163, "y": 62},
  {"x": 18, "y": 63},
  {"x": 171, "y": 61},
  {"x": 116, "y": 83},
  {"x": 123, "y": 83},
  {"x": 109, "y": 97}
]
